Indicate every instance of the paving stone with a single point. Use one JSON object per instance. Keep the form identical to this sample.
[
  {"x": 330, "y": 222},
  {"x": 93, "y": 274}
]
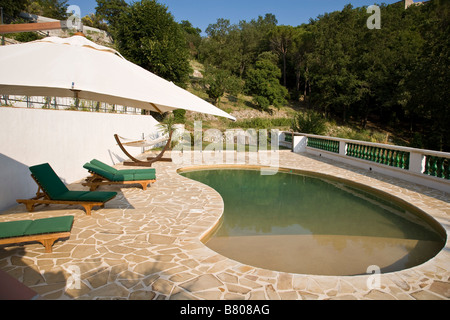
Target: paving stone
[
  {"x": 441, "y": 288},
  {"x": 203, "y": 282}
]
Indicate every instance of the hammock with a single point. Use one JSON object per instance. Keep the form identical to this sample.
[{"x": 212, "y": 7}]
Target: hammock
[{"x": 142, "y": 143}]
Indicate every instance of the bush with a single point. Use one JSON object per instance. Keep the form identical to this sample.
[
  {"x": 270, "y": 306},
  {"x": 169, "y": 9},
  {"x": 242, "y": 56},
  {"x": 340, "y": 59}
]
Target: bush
[{"x": 309, "y": 122}]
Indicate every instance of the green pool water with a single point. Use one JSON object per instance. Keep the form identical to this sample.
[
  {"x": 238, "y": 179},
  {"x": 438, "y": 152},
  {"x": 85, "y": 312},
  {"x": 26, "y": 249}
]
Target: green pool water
[{"x": 302, "y": 224}]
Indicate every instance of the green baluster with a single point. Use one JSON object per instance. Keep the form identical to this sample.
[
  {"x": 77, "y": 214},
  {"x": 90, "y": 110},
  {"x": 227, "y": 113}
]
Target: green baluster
[
  {"x": 406, "y": 161},
  {"x": 440, "y": 167},
  {"x": 402, "y": 160},
  {"x": 386, "y": 157},
  {"x": 395, "y": 159},
  {"x": 434, "y": 166},
  {"x": 446, "y": 169},
  {"x": 427, "y": 165},
  {"x": 378, "y": 155},
  {"x": 372, "y": 153},
  {"x": 391, "y": 158}
]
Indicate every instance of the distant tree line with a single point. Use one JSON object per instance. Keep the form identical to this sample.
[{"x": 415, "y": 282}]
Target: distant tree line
[{"x": 397, "y": 75}]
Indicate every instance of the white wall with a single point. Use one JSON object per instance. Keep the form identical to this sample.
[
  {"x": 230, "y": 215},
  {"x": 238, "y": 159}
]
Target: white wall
[{"x": 64, "y": 139}]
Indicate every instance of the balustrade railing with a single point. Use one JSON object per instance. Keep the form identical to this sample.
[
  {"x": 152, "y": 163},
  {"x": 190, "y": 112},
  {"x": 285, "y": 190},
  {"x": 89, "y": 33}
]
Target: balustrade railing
[
  {"x": 423, "y": 162},
  {"x": 437, "y": 167},
  {"x": 386, "y": 156},
  {"x": 324, "y": 144}
]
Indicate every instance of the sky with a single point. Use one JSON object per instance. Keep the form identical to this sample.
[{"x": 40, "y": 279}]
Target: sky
[{"x": 201, "y": 13}]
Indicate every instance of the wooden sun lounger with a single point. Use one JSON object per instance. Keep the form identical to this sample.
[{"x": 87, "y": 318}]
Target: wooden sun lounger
[
  {"x": 102, "y": 174},
  {"x": 51, "y": 190},
  {"x": 45, "y": 231}
]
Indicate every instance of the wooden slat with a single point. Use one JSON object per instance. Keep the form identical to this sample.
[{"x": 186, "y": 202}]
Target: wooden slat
[{"x": 26, "y": 27}]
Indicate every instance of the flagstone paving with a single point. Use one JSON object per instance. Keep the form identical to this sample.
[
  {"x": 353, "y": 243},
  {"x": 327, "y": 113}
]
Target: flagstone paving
[{"x": 146, "y": 245}]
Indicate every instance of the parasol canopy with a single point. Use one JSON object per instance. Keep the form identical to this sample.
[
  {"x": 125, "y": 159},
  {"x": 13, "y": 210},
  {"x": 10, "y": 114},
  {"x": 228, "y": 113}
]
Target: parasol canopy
[{"x": 77, "y": 67}]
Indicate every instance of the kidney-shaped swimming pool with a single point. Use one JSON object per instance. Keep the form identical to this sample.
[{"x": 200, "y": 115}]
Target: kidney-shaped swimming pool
[{"x": 301, "y": 223}]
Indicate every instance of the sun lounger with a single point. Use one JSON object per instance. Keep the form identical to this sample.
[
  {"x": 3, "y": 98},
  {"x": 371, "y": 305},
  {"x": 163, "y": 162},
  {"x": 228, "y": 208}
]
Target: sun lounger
[
  {"x": 45, "y": 231},
  {"x": 54, "y": 191},
  {"x": 103, "y": 174}
]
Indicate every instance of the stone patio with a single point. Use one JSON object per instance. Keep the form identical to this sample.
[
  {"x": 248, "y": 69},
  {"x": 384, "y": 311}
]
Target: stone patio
[{"x": 146, "y": 245}]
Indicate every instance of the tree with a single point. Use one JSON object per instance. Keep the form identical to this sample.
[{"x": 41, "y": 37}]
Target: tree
[
  {"x": 264, "y": 84},
  {"x": 193, "y": 37},
  {"x": 254, "y": 39},
  {"x": 429, "y": 81},
  {"x": 110, "y": 11},
  {"x": 12, "y": 8},
  {"x": 56, "y": 9},
  {"x": 222, "y": 46},
  {"x": 302, "y": 45},
  {"x": 218, "y": 81},
  {"x": 281, "y": 39},
  {"x": 94, "y": 21},
  {"x": 147, "y": 34}
]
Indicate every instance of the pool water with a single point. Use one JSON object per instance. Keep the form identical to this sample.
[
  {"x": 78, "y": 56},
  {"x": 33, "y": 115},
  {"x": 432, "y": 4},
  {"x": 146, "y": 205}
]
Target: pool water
[{"x": 303, "y": 224}]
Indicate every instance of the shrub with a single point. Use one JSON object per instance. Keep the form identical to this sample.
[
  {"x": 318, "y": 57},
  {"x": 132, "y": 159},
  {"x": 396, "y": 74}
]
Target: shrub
[{"x": 309, "y": 122}]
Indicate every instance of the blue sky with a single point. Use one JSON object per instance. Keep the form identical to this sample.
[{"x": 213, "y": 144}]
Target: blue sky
[{"x": 201, "y": 13}]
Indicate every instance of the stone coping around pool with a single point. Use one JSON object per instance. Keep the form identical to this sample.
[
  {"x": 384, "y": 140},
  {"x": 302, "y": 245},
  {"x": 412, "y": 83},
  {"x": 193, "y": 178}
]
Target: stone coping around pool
[{"x": 147, "y": 245}]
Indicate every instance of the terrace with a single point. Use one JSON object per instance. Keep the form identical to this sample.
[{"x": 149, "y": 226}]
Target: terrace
[{"x": 147, "y": 244}]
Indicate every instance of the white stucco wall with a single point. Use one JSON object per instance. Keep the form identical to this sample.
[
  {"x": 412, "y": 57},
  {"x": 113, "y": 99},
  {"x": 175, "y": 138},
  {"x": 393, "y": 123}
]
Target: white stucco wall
[{"x": 64, "y": 139}]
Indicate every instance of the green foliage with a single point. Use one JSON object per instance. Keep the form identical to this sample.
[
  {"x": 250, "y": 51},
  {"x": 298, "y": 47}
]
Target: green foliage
[
  {"x": 193, "y": 37},
  {"x": 94, "y": 21},
  {"x": 219, "y": 81},
  {"x": 235, "y": 48},
  {"x": 179, "y": 116},
  {"x": 110, "y": 11},
  {"x": 309, "y": 122},
  {"x": 261, "y": 123},
  {"x": 26, "y": 36},
  {"x": 12, "y": 9},
  {"x": 147, "y": 34},
  {"x": 56, "y": 9},
  {"x": 263, "y": 82}
]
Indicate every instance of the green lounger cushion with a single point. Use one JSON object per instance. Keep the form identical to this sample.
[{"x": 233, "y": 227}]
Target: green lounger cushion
[
  {"x": 48, "y": 180},
  {"x": 30, "y": 228},
  {"x": 103, "y": 166},
  {"x": 57, "y": 190},
  {"x": 14, "y": 228},
  {"x": 86, "y": 196},
  {"x": 93, "y": 168},
  {"x": 115, "y": 175},
  {"x": 124, "y": 171}
]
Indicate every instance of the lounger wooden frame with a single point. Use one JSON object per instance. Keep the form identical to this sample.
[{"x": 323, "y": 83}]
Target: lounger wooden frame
[
  {"x": 47, "y": 240},
  {"x": 96, "y": 180},
  {"x": 43, "y": 198}
]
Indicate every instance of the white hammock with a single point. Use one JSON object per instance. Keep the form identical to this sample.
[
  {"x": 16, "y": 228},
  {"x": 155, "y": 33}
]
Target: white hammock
[{"x": 142, "y": 143}]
